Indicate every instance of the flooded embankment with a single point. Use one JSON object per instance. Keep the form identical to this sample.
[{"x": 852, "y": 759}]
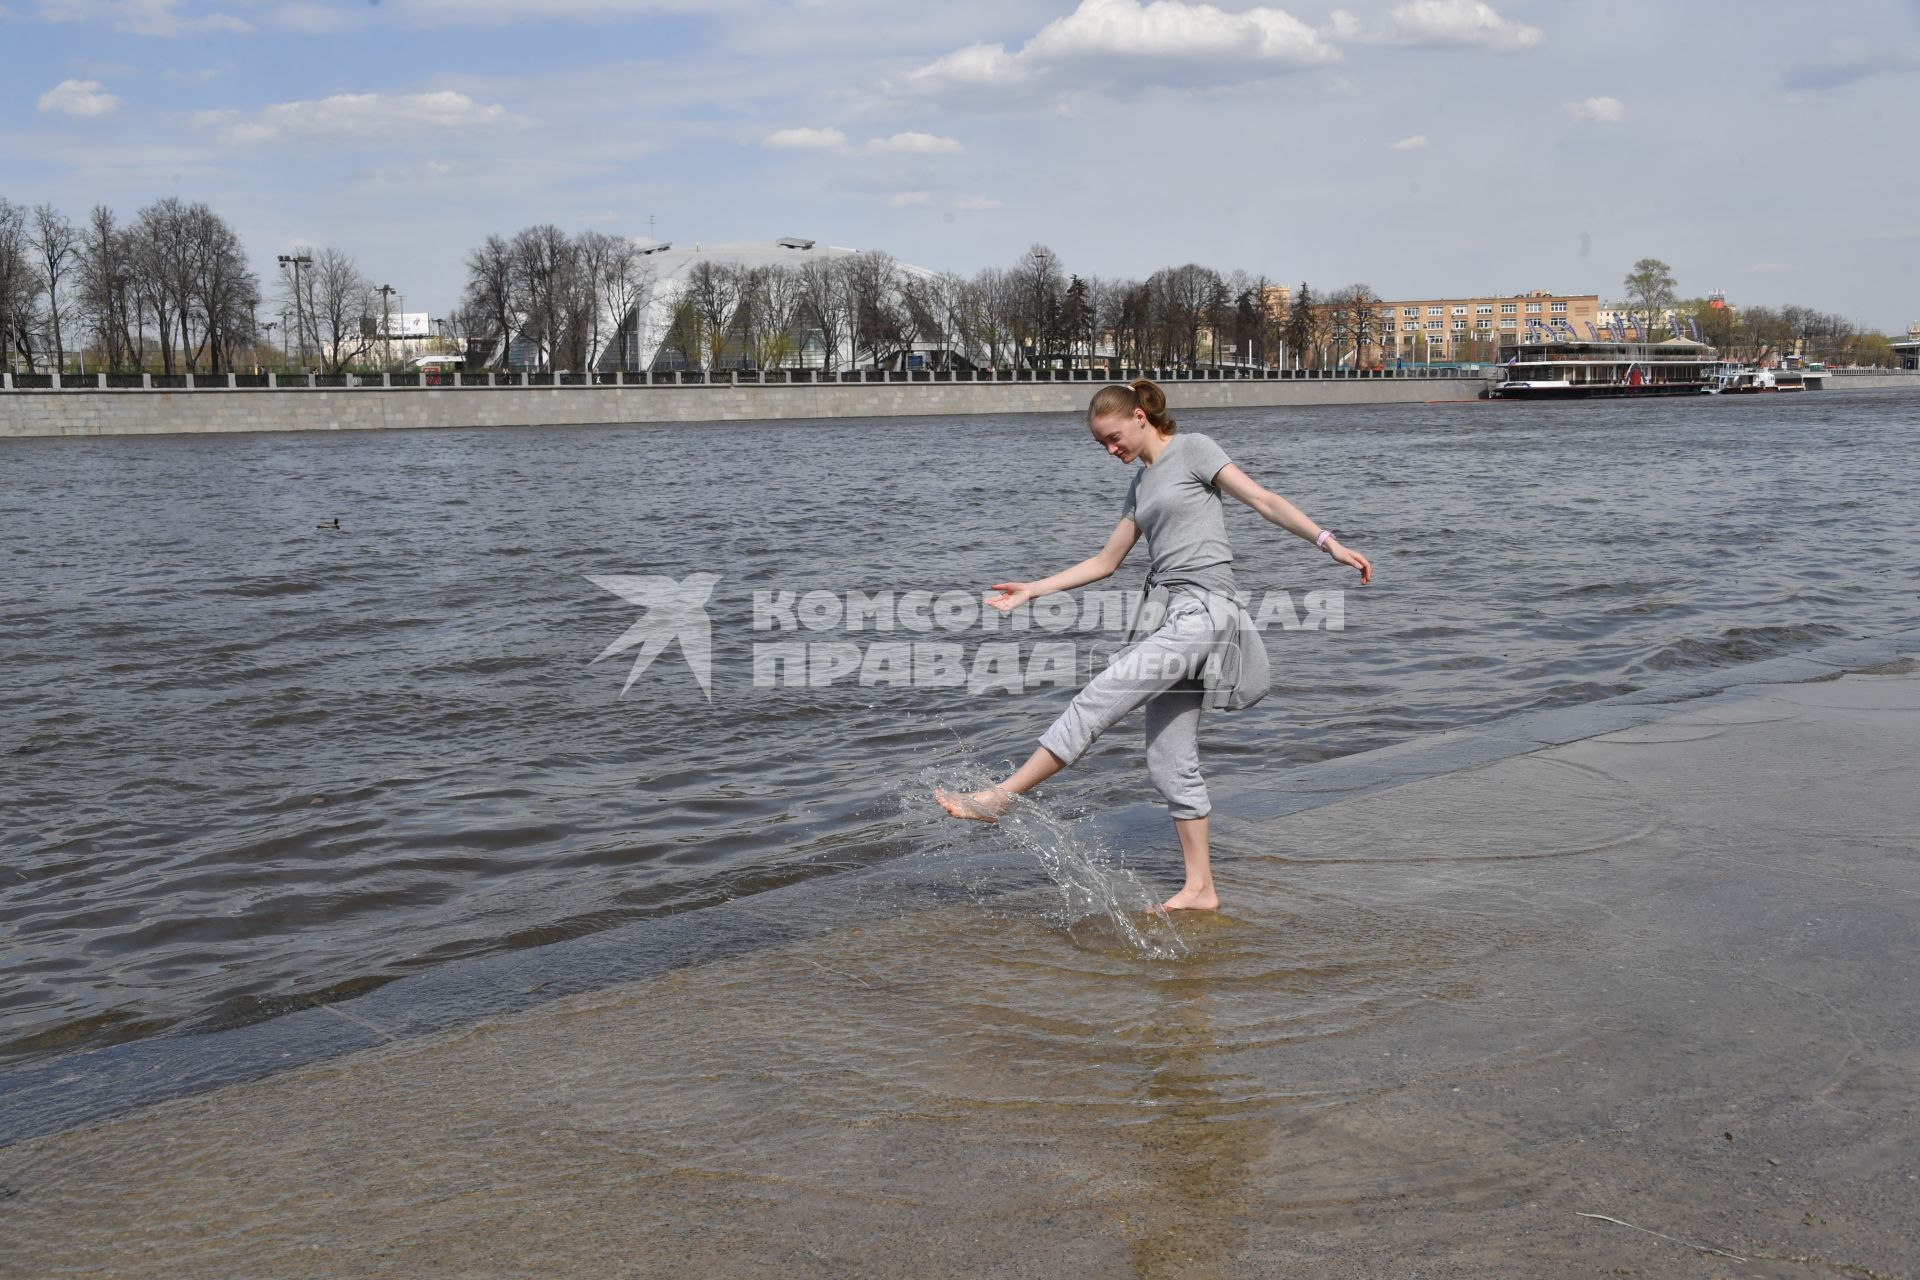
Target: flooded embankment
[{"x": 1638, "y": 1003}]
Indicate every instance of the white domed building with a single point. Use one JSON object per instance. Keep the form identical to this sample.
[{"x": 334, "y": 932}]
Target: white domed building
[{"x": 754, "y": 304}]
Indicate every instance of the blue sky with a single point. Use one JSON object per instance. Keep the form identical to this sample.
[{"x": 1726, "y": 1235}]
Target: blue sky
[{"x": 1426, "y": 147}]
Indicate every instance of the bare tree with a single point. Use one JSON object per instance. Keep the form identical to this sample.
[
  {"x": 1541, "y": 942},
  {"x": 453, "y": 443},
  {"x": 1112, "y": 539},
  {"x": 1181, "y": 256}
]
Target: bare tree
[
  {"x": 1125, "y": 311},
  {"x": 771, "y": 313},
  {"x": 107, "y": 287},
  {"x": 226, "y": 290},
  {"x": 714, "y": 294},
  {"x": 1352, "y": 323},
  {"x": 823, "y": 288},
  {"x": 164, "y": 271},
  {"x": 594, "y": 253},
  {"x": 19, "y": 288},
  {"x": 947, "y": 298},
  {"x": 1191, "y": 297},
  {"x": 340, "y": 299},
  {"x": 56, "y": 247},
  {"x": 625, "y": 282},
  {"x": 919, "y": 307},
  {"x": 186, "y": 265},
  {"x": 883, "y": 325},
  {"x": 1039, "y": 283},
  {"x": 996, "y": 304},
  {"x": 544, "y": 263},
  {"x": 490, "y": 301}
]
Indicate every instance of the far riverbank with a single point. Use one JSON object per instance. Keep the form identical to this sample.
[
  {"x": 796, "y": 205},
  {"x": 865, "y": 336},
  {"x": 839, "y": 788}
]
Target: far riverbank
[
  {"x": 223, "y": 404},
  {"x": 120, "y": 405}
]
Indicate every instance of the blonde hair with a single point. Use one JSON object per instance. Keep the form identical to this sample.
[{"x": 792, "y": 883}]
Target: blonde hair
[{"x": 1142, "y": 393}]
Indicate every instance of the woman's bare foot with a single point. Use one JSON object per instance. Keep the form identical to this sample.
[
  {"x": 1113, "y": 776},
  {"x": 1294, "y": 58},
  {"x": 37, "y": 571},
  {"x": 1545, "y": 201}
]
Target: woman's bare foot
[
  {"x": 981, "y": 806},
  {"x": 1193, "y": 898}
]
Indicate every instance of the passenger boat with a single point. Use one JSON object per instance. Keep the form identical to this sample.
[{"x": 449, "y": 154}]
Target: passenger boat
[
  {"x": 1574, "y": 368},
  {"x": 1796, "y": 373},
  {"x": 1793, "y": 373},
  {"x": 1731, "y": 378}
]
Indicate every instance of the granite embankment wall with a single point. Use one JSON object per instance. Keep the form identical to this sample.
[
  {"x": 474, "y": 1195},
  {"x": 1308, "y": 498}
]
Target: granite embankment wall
[
  {"x": 88, "y": 412},
  {"x": 1873, "y": 379}
]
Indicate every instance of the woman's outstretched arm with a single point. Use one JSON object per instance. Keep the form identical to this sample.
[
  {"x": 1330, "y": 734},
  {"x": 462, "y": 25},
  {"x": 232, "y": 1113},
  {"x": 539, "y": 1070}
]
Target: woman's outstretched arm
[
  {"x": 1277, "y": 510},
  {"x": 1103, "y": 564}
]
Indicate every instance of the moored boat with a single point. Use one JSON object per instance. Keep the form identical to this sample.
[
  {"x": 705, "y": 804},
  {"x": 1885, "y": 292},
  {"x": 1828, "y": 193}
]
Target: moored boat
[
  {"x": 1792, "y": 373},
  {"x": 1573, "y": 369},
  {"x": 1731, "y": 378},
  {"x": 1796, "y": 373}
]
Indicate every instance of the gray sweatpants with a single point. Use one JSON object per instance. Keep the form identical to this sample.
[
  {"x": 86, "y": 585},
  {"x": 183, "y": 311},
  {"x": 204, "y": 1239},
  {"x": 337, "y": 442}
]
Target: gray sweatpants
[{"x": 1163, "y": 672}]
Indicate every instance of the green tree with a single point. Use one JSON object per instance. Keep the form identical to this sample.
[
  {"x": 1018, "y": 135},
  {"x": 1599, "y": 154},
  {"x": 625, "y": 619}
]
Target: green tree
[
  {"x": 1718, "y": 324},
  {"x": 1650, "y": 288},
  {"x": 1871, "y": 349},
  {"x": 1304, "y": 327},
  {"x": 1076, "y": 320}
]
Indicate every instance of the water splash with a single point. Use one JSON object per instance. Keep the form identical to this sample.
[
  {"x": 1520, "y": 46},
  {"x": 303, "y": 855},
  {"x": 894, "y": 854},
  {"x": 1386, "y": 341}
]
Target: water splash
[{"x": 1090, "y": 879}]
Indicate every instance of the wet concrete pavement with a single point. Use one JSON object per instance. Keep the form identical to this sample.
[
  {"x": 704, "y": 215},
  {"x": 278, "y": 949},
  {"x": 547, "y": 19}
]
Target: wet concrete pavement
[{"x": 1640, "y": 1003}]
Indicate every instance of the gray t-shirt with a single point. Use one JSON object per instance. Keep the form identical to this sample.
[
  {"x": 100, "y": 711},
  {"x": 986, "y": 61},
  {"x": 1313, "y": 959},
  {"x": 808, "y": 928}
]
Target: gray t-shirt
[{"x": 1177, "y": 507}]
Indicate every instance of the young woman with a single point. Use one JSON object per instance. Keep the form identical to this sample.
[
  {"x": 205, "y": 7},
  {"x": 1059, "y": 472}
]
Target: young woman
[{"x": 1175, "y": 500}]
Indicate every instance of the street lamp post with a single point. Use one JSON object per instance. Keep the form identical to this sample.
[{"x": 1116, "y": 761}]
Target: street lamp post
[
  {"x": 297, "y": 261},
  {"x": 386, "y": 325}
]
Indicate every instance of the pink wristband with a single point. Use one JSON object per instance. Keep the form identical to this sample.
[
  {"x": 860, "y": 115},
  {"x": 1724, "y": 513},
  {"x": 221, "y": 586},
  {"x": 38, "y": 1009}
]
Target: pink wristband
[{"x": 1320, "y": 543}]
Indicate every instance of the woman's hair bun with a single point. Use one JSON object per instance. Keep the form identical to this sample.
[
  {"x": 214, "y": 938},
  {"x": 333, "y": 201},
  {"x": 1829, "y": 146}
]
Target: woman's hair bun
[
  {"x": 1142, "y": 393},
  {"x": 1151, "y": 397}
]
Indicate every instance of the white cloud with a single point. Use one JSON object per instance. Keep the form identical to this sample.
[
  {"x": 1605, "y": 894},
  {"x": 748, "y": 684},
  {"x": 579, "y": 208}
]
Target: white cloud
[
  {"x": 804, "y": 139},
  {"x": 1413, "y": 143},
  {"x": 140, "y": 17},
  {"x": 909, "y": 199},
  {"x": 977, "y": 65},
  {"x": 921, "y": 144},
  {"x": 808, "y": 139},
  {"x": 1175, "y": 29},
  {"x": 1599, "y": 110},
  {"x": 1160, "y": 41},
  {"x": 1439, "y": 24},
  {"x": 1850, "y": 62},
  {"x": 975, "y": 204},
  {"x": 357, "y": 115},
  {"x": 79, "y": 98}
]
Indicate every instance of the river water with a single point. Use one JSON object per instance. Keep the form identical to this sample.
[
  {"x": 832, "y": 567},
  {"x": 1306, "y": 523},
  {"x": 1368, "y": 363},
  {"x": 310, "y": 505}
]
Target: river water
[{"x": 251, "y": 764}]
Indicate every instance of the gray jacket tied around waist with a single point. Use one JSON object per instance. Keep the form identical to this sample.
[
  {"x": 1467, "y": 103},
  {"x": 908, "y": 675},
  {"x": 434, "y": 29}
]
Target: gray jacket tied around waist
[{"x": 1237, "y": 675}]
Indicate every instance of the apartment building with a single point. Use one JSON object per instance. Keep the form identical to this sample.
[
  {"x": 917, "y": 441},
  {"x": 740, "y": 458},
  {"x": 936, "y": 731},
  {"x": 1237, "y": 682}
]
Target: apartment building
[{"x": 1419, "y": 330}]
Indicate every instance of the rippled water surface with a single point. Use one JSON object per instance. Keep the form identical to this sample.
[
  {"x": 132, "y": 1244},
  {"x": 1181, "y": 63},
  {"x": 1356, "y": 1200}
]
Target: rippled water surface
[{"x": 251, "y": 764}]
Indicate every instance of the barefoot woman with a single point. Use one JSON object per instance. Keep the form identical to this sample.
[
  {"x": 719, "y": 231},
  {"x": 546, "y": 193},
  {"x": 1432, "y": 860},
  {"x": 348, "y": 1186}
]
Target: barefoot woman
[{"x": 1175, "y": 500}]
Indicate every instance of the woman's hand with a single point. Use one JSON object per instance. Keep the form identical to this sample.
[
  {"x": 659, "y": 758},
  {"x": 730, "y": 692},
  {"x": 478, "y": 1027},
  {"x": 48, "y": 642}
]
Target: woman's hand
[
  {"x": 1344, "y": 555},
  {"x": 1012, "y": 595}
]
